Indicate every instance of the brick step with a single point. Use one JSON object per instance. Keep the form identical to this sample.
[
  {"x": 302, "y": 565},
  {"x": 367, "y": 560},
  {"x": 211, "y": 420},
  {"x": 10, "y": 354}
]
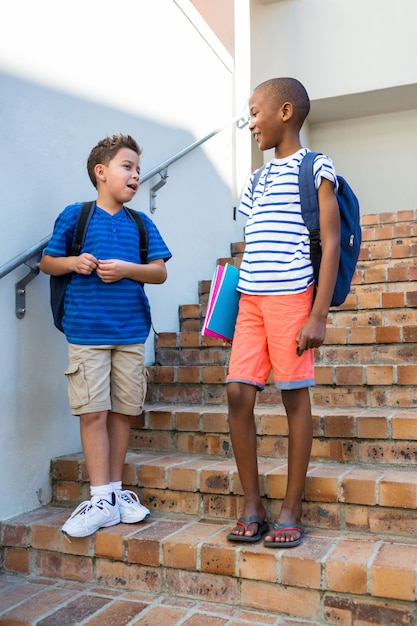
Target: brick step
[
  {"x": 371, "y": 384},
  {"x": 332, "y": 576},
  {"x": 392, "y": 338},
  {"x": 369, "y": 497},
  {"x": 29, "y": 600},
  {"x": 377, "y": 303},
  {"x": 377, "y": 247},
  {"x": 374, "y": 438},
  {"x": 383, "y": 242},
  {"x": 376, "y": 326},
  {"x": 388, "y": 270},
  {"x": 388, "y": 218},
  {"x": 377, "y": 287}
]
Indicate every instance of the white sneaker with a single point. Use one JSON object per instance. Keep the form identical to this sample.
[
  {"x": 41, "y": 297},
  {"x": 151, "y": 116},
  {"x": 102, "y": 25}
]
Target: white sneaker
[
  {"x": 131, "y": 510},
  {"x": 91, "y": 515}
]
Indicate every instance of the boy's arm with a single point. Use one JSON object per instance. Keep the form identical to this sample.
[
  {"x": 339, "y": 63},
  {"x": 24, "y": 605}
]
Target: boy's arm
[
  {"x": 85, "y": 263},
  {"x": 313, "y": 332},
  {"x": 112, "y": 270}
]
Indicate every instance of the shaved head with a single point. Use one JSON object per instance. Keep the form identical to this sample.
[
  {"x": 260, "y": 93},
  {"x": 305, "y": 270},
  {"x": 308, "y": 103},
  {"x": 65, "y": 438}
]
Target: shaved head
[{"x": 280, "y": 90}]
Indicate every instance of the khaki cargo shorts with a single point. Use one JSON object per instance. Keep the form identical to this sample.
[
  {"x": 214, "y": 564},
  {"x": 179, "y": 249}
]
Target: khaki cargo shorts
[{"x": 106, "y": 378}]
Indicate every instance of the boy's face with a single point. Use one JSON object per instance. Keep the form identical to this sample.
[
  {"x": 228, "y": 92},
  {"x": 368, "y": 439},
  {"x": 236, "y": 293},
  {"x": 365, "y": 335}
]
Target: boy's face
[
  {"x": 266, "y": 123},
  {"x": 120, "y": 176}
]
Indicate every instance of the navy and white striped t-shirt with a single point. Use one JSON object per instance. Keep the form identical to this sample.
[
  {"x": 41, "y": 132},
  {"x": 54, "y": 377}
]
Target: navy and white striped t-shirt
[
  {"x": 98, "y": 313},
  {"x": 276, "y": 259}
]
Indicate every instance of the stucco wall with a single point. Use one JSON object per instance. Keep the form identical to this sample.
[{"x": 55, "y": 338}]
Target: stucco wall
[{"x": 69, "y": 75}]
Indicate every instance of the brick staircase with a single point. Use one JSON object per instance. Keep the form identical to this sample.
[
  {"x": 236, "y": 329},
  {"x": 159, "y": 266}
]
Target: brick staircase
[{"x": 358, "y": 563}]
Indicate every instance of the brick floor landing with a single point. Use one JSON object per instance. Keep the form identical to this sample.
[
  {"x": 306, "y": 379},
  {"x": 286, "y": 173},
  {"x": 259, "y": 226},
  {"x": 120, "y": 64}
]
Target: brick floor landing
[
  {"x": 37, "y": 601},
  {"x": 184, "y": 567}
]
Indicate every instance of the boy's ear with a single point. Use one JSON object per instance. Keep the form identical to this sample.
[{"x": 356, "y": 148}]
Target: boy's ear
[
  {"x": 99, "y": 172},
  {"x": 287, "y": 111}
]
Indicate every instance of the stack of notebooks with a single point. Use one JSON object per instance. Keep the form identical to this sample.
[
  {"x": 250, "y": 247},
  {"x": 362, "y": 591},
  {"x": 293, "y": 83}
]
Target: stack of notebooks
[{"x": 223, "y": 303}]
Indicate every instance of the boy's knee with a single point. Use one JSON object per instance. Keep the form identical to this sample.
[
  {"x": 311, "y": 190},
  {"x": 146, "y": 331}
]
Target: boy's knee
[
  {"x": 93, "y": 418},
  {"x": 240, "y": 393},
  {"x": 233, "y": 392}
]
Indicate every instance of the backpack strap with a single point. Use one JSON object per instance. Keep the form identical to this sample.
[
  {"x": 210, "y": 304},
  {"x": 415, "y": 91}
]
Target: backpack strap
[
  {"x": 143, "y": 234},
  {"x": 310, "y": 210},
  {"x": 257, "y": 177},
  {"x": 83, "y": 220},
  {"x": 308, "y": 192},
  {"x": 81, "y": 225}
]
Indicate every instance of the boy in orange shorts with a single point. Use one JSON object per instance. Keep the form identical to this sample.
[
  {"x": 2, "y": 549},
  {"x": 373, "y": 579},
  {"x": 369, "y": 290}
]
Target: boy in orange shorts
[{"x": 279, "y": 324}]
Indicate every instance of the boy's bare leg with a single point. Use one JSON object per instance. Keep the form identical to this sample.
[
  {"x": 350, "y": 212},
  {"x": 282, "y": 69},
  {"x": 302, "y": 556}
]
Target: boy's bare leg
[
  {"x": 105, "y": 439},
  {"x": 300, "y": 437},
  {"x": 96, "y": 446},
  {"x": 241, "y": 398},
  {"x": 118, "y": 427}
]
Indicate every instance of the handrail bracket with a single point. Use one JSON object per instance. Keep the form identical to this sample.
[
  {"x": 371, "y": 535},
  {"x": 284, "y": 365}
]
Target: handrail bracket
[
  {"x": 243, "y": 121},
  {"x": 152, "y": 194},
  {"x": 20, "y": 286}
]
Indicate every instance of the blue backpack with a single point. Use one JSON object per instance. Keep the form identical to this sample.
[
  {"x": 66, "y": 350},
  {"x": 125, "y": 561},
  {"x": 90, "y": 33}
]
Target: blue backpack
[{"x": 350, "y": 228}]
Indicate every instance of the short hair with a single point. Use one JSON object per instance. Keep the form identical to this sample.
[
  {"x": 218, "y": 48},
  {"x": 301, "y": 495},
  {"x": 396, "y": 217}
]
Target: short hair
[
  {"x": 288, "y": 90},
  {"x": 106, "y": 150}
]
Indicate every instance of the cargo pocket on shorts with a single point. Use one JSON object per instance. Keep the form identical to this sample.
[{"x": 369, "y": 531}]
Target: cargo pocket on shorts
[
  {"x": 77, "y": 386},
  {"x": 145, "y": 378}
]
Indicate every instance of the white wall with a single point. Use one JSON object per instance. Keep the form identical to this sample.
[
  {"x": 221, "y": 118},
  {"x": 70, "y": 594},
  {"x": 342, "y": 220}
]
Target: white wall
[
  {"x": 335, "y": 47},
  {"x": 357, "y": 60},
  {"x": 377, "y": 155},
  {"x": 69, "y": 75}
]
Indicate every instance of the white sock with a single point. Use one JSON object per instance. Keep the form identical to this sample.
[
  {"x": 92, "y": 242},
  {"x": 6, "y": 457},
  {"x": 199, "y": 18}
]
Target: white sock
[
  {"x": 116, "y": 486},
  {"x": 101, "y": 491}
]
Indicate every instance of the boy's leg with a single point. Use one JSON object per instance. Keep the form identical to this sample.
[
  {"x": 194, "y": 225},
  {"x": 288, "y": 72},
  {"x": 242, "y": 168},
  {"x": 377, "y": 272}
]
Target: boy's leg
[
  {"x": 105, "y": 439},
  {"x": 103, "y": 509},
  {"x": 128, "y": 391},
  {"x": 89, "y": 394},
  {"x": 118, "y": 428},
  {"x": 96, "y": 446},
  {"x": 241, "y": 399},
  {"x": 88, "y": 375},
  {"x": 249, "y": 368},
  {"x": 300, "y": 436}
]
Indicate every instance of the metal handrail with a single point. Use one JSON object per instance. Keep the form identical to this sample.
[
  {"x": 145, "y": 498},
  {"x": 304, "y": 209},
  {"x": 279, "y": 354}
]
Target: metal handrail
[
  {"x": 32, "y": 256},
  {"x": 162, "y": 168},
  {"x": 23, "y": 257}
]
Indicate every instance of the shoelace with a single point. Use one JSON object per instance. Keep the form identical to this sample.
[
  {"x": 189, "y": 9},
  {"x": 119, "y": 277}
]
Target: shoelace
[
  {"x": 86, "y": 506},
  {"x": 129, "y": 496}
]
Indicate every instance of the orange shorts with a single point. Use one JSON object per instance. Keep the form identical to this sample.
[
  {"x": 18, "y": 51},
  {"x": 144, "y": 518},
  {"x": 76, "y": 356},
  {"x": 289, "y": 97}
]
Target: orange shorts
[{"x": 264, "y": 339}]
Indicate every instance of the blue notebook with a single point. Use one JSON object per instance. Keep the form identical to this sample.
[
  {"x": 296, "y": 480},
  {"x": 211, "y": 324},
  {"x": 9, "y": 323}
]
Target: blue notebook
[{"x": 223, "y": 303}]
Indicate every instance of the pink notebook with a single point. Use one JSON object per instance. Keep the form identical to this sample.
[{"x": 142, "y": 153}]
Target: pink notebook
[{"x": 223, "y": 303}]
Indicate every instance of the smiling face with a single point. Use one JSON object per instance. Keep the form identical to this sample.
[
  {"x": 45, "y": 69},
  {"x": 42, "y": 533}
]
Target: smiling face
[
  {"x": 267, "y": 120},
  {"x": 119, "y": 179},
  {"x": 278, "y": 108}
]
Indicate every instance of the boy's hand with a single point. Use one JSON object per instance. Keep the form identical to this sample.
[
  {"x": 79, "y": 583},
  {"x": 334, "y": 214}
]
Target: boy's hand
[
  {"x": 112, "y": 270},
  {"x": 311, "y": 335},
  {"x": 85, "y": 263}
]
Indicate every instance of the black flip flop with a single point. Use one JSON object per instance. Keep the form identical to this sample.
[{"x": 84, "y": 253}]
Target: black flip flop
[
  {"x": 279, "y": 528},
  {"x": 263, "y": 528}
]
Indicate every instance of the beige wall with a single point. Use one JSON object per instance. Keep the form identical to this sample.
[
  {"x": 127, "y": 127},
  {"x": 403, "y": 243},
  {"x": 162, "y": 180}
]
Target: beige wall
[
  {"x": 219, "y": 15},
  {"x": 357, "y": 61},
  {"x": 377, "y": 155}
]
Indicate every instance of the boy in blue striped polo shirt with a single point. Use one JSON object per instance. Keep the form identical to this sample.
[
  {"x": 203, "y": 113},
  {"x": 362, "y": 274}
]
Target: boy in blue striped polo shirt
[
  {"x": 106, "y": 323},
  {"x": 278, "y": 324}
]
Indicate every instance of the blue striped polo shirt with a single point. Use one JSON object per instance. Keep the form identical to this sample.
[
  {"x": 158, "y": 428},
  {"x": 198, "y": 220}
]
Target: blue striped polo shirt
[
  {"x": 98, "y": 313},
  {"x": 276, "y": 259}
]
